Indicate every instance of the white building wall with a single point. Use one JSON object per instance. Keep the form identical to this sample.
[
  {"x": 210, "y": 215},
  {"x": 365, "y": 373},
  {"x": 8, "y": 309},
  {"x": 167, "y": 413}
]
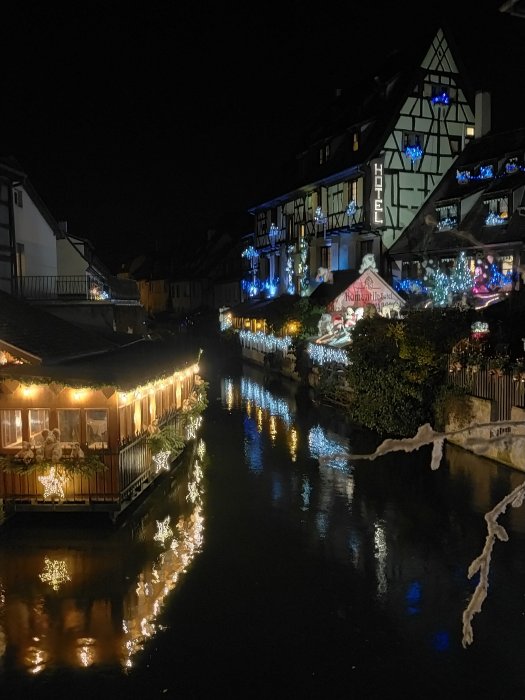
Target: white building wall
[
  {"x": 70, "y": 260},
  {"x": 37, "y": 237}
]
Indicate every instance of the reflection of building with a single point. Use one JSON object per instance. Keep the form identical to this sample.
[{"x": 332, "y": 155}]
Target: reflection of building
[{"x": 46, "y": 618}]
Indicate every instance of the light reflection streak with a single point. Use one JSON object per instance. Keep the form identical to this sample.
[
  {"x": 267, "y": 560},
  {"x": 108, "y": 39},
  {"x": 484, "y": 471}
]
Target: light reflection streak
[
  {"x": 152, "y": 588},
  {"x": 330, "y": 451},
  {"x": 380, "y": 554},
  {"x": 305, "y": 493}
]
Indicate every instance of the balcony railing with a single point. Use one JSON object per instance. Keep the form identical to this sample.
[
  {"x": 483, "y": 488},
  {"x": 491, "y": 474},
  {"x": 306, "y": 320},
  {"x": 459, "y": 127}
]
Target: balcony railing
[{"x": 76, "y": 288}]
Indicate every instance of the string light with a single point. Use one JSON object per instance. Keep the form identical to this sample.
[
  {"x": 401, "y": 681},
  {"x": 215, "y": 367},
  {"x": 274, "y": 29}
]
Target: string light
[
  {"x": 162, "y": 460},
  {"x": 323, "y": 354},
  {"x": 268, "y": 342},
  {"x": 414, "y": 152},
  {"x": 53, "y": 483}
]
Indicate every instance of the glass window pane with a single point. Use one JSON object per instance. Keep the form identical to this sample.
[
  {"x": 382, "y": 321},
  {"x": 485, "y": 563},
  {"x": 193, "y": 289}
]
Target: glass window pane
[
  {"x": 38, "y": 421},
  {"x": 69, "y": 425},
  {"x": 12, "y": 428},
  {"x": 97, "y": 428}
]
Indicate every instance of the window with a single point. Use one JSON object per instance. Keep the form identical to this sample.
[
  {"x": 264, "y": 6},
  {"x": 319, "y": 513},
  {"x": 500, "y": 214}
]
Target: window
[
  {"x": 413, "y": 145},
  {"x": 69, "y": 426},
  {"x": 498, "y": 211},
  {"x": 447, "y": 215},
  {"x": 17, "y": 195},
  {"x": 366, "y": 247},
  {"x": 325, "y": 257},
  {"x": 324, "y": 153},
  {"x": 97, "y": 428},
  {"x": 12, "y": 428},
  {"x": 355, "y": 141},
  {"x": 38, "y": 421}
]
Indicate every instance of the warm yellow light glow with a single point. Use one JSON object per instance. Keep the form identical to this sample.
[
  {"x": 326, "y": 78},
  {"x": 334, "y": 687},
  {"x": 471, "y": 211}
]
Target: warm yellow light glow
[
  {"x": 53, "y": 483},
  {"x": 28, "y": 391},
  {"x": 470, "y": 131},
  {"x": 79, "y": 394},
  {"x": 55, "y": 573}
]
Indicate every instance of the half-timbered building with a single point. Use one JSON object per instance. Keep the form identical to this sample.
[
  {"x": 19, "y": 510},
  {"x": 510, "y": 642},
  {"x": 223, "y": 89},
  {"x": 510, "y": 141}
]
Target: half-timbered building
[{"x": 372, "y": 159}]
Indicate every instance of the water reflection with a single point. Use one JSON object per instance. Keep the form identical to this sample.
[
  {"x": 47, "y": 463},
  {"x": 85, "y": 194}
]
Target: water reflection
[{"x": 60, "y": 605}]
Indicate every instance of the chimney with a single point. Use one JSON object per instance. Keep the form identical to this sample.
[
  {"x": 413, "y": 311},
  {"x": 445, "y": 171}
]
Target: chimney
[{"x": 482, "y": 115}]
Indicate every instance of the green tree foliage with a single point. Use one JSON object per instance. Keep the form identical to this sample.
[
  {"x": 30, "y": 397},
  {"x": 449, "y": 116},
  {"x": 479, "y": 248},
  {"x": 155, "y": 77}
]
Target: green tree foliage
[{"x": 398, "y": 367}]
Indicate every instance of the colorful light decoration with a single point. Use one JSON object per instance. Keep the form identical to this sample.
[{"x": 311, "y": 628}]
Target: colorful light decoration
[
  {"x": 55, "y": 573},
  {"x": 265, "y": 342},
  {"x": 290, "y": 286},
  {"x": 271, "y": 285},
  {"x": 413, "y": 152},
  {"x": 320, "y": 217},
  {"x": 53, "y": 483},
  {"x": 449, "y": 222},
  {"x": 494, "y": 219},
  {"x": 273, "y": 234},
  {"x": 303, "y": 267},
  {"x": 351, "y": 208},
  {"x": 442, "y": 98},
  {"x": 324, "y": 355},
  {"x": 250, "y": 253}
]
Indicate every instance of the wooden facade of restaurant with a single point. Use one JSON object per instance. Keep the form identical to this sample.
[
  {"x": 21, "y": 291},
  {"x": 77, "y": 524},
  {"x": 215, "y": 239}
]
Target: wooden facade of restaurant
[{"x": 37, "y": 417}]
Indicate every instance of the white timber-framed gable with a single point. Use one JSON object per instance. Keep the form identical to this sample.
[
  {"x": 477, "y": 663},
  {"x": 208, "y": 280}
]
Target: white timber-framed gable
[{"x": 427, "y": 136}]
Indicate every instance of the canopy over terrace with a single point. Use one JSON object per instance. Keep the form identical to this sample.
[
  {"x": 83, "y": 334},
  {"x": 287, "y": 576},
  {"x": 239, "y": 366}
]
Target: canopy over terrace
[{"x": 264, "y": 314}]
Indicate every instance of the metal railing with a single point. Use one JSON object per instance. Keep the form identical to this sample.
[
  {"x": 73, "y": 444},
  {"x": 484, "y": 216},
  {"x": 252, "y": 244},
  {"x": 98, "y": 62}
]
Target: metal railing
[{"x": 77, "y": 287}]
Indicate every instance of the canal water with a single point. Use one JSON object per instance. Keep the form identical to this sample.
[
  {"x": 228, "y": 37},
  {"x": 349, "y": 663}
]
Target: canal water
[{"x": 257, "y": 569}]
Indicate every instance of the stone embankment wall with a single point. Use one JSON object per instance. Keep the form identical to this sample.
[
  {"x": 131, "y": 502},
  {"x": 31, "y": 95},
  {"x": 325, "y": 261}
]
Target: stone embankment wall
[{"x": 508, "y": 449}]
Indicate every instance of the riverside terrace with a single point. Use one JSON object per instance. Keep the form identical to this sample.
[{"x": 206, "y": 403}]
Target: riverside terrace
[{"x": 74, "y": 435}]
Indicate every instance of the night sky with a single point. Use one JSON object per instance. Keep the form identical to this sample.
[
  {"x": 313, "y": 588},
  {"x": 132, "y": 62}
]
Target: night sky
[{"x": 156, "y": 121}]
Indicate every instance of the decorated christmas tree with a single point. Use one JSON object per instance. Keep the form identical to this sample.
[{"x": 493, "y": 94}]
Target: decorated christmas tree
[{"x": 461, "y": 277}]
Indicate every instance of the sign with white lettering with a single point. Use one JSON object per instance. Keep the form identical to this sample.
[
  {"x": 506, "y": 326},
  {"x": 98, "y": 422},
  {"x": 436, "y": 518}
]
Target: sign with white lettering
[{"x": 377, "y": 176}]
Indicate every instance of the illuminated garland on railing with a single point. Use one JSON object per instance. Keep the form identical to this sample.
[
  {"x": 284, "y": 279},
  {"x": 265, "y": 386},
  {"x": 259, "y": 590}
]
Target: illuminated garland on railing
[
  {"x": 269, "y": 343},
  {"x": 324, "y": 354}
]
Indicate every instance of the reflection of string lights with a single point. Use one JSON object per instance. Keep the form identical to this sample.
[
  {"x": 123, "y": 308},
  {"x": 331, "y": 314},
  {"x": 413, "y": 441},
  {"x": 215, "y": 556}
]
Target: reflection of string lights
[
  {"x": 55, "y": 573},
  {"x": 162, "y": 460},
  {"x": 35, "y": 659},
  {"x": 192, "y": 427},
  {"x": 292, "y": 439},
  {"x": 305, "y": 493},
  {"x": 85, "y": 651},
  {"x": 163, "y": 530},
  {"x": 151, "y": 595},
  {"x": 329, "y": 451}
]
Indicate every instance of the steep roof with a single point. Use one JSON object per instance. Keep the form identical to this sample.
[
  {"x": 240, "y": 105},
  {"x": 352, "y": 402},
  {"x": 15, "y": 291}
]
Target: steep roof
[
  {"x": 43, "y": 337},
  {"x": 420, "y": 236}
]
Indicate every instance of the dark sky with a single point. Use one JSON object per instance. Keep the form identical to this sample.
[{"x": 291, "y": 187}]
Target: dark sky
[{"x": 152, "y": 121}]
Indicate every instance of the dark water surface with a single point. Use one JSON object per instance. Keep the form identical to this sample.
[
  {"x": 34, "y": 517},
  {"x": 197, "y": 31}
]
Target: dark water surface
[{"x": 253, "y": 571}]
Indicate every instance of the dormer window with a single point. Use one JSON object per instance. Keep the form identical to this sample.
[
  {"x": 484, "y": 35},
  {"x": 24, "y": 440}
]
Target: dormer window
[
  {"x": 512, "y": 166},
  {"x": 17, "y": 196},
  {"x": 498, "y": 210},
  {"x": 447, "y": 216},
  {"x": 324, "y": 153},
  {"x": 413, "y": 145}
]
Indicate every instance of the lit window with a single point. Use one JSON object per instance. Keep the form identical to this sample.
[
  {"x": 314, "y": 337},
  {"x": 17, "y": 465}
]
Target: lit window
[
  {"x": 97, "y": 428},
  {"x": 69, "y": 426},
  {"x": 12, "y": 428},
  {"x": 38, "y": 421},
  {"x": 469, "y": 132}
]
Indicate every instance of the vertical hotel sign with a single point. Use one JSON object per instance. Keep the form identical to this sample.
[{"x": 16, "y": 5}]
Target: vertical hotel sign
[{"x": 377, "y": 205}]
